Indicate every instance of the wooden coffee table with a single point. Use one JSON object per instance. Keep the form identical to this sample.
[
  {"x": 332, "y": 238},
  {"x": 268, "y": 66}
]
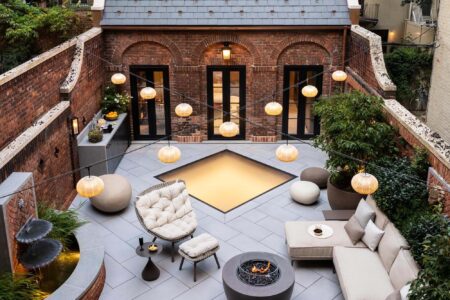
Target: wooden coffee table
[
  {"x": 150, "y": 271},
  {"x": 338, "y": 214}
]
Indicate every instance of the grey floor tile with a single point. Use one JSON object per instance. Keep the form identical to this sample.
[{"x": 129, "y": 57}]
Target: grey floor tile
[
  {"x": 254, "y": 215},
  {"x": 169, "y": 289},
  {"x": 247, "y": 244},
  {"x": 249, "y": 228},
  {"x": 305, "y": 276},
  {"x": 274, "y": 225},
  {"x": 122, "y": 228},
  {"x": 118, "y": 249},
  {"x": 323, "y": 289},
  {"x": 128, "y": 290},
  {"x": 217, "y": 229},
  {"x": 116, "y": 274},
  {"x": 136, "y": 264},
  {"x": 206, "y": 290},
  {"x": 186, "y": 275}
]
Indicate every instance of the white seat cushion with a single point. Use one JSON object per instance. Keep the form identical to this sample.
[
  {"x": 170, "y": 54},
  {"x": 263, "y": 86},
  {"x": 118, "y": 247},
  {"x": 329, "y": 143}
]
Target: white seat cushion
[
  {"x": 199, "y": 245},
  {"x": 361, "y": 274},
  {"x": 167, "y": 211},
  {"x": 303, "y": 246}
]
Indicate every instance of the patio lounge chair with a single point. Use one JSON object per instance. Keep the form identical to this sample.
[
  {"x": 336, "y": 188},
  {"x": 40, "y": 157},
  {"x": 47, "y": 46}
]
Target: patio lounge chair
[{"x": 165, "y": 211}]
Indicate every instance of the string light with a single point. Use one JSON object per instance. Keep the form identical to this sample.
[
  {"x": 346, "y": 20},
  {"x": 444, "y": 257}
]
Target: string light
[
  {"x": 229, "y": 129},
  {"x": 90, "y": 186},
  {"x": 273, "y": 108},
  {"x": 364, "y": 183},
  {"x": 310, "y": 91},
  {"x": 286, "y": 153},
  {"x": 183, "y": 110},
  {"x": 339, "y": 76},
  {"x": 148, "y": 93},
  {"x": 169, "y": 154},
  {"x": 118, "y": 78}
]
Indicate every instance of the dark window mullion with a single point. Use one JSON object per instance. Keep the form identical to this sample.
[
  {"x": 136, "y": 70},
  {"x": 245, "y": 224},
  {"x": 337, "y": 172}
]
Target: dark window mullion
[
  {"x": 226, "y": 95},
  {"x": 151, "y": 105},
  {"x": 301, "y": 102}
]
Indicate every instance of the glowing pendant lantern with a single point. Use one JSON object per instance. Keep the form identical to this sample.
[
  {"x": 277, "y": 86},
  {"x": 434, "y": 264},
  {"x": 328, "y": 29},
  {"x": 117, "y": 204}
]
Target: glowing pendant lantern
[
  {"x": 364, "y": 183},
  {"x": 339, "y": 75},
  {"x": 309, "y": 91},
  {"x": 90, "y": 186},
  {"x": 286, "y": 153},
  {"x": 183, "y": 110},
  {"x": 169, "y": 154},
  {"x": 273, "y": 108},
  {"x": 148, "y": 93},
  {"x": 118, "y": 78},
  {"x": 229, "y": 129}
]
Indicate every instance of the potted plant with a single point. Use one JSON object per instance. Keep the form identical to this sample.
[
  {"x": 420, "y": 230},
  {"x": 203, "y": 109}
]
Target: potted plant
[
  {"x": 95, "y": 134},
  {"x": 352, "y": 131},
  {"x": 114, "y": 103}
]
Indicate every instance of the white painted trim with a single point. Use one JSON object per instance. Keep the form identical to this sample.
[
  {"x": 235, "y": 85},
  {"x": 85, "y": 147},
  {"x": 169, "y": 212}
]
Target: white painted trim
[
  {"x": 19, "y": 143},
  {"x": 353, "y": 4},
  {"x": 98, "y": 5},
  {"x": 377, "y": 58}
]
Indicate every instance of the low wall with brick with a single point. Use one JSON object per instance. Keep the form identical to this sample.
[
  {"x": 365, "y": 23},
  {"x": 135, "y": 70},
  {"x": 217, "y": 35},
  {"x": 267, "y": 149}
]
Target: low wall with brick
[{"x": 46, "y": 92}]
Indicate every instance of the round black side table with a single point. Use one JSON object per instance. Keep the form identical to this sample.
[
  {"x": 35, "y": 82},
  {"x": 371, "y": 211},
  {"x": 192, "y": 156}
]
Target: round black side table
[{"x": 150, "y": 271}]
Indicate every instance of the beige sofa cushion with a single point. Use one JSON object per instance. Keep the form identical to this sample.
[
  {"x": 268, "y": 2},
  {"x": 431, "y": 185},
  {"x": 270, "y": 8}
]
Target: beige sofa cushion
[
  {"x": 361, "y": 274},
  {"x": 372, "y": 235},
  {"x": 404, "y": 269},
  {"x": 381, "y": 220},
  {"x": 167, "y": 211},
  {"x": 390, "y": 245},
  {"x": 303, "y": 246}
]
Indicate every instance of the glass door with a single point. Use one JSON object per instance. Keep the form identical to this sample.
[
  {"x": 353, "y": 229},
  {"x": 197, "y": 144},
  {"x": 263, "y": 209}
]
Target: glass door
[
  {"x": 298, "y": 117},
  {"x": 226, "y": 97},
  {"x": 151, "y": 118}
]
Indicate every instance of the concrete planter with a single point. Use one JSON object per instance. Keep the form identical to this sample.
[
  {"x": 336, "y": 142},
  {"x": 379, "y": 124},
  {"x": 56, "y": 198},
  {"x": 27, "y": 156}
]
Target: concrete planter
[
  {"x": 340, "y": 199},
  {"x": 88, "y": 278}
]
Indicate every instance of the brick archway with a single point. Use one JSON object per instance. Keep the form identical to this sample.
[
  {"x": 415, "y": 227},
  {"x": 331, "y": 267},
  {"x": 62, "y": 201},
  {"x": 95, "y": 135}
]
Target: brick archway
[
  {"x": 200, "y": 48},
  {"x": 292, "y": 41},
  {"x": 163, "y": 41}
]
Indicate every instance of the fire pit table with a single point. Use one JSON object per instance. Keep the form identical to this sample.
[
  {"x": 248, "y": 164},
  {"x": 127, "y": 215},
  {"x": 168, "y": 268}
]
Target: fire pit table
[{"x": 258, "y": 275}]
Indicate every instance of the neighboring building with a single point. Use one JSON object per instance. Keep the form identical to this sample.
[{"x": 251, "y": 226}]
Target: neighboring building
[
  {"x": 438, "y": 111},
  {"x": 274, "y": 45},
  {"x": 397, "y": 23}
]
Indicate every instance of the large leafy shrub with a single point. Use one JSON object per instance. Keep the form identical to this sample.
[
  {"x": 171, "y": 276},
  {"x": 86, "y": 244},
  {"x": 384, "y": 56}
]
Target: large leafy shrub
[
  {"x": 23, "y": 25},
  {"x": 434, "y": 278},
  {"x": 64, "y": 223},
  {"x": 353, "y": 125},
  {"x": 410, "y": 70}
]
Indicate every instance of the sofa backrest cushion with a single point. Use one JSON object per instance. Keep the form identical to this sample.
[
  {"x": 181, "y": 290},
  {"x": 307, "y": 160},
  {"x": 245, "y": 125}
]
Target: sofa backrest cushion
[
  {"x": 163, "y": 206},
  {"x": 381, "y": 220},
  {"x": 404, "y": 269},
  {"x": 372, "y": 235},
  {"x": 364, "y": 213},
  {"x": 390, "y": 245}
]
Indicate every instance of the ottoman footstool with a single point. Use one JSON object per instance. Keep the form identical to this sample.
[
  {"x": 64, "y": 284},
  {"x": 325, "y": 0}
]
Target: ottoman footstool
[
  {"x": 115, "y": 197},
  {"x": 304, "y": 192},
  {"x": 197, "y": 249},
  {"x": 317, "y": 175}
]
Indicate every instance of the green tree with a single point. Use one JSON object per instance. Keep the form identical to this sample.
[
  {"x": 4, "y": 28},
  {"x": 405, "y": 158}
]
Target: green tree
[{"x": 352, "y": 126}]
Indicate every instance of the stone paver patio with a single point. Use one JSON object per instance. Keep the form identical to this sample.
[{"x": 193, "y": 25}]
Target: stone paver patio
[{"x": 257, "y": 225}]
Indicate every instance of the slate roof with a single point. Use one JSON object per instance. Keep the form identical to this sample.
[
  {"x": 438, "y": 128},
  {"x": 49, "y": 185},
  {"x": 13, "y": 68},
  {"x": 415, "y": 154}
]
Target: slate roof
[{"x": 225, "y": 12}]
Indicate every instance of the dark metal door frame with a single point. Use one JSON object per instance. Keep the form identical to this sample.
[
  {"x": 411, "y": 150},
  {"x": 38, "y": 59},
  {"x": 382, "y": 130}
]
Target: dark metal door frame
[
  {"x": 301, "y": 99},
  {"x": 226, "y": 99},
  {"x": 149, "y": 69}
]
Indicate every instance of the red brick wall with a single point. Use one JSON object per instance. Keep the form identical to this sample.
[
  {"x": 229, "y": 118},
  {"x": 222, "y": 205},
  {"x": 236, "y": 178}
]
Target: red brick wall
[
  {"x": 16, "y": 218},
  {"x": 264, "y": 53},
  {"x": 96, "y": 289},
  {"x": 31, "y": 94}
]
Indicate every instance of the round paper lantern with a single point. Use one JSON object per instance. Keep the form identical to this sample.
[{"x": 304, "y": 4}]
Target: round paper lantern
[
  {"x": 183, "y": 110},
  {"x": 286, "y": 153},
  {"x": 169, "y": 154},
  {"x": 229, "y": 129},
  {"x": 364, "y": 183},
  {"x": 90, "y": 186},
  {"x": 118, "y": 78},
  {"x": 309, "y": 91},
  {"x": 339, "y": 75},
  {"x": 148, "y": 93},
  {"x": 273, "y": 108}
]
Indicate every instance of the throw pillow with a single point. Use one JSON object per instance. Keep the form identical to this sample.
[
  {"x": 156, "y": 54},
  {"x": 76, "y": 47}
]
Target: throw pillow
[
  {"x": 372, "y": 235},
  {"x": 364, "y": 213},
  {"x": 354, "y": 230},
  {"x": 395, "y": 295},
  {"x": 404, "y": 291}
]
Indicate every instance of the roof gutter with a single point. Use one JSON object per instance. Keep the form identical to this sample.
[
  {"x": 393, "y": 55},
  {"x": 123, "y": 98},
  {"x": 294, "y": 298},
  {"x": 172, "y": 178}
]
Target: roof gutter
[{"x": 200, "y": 27}]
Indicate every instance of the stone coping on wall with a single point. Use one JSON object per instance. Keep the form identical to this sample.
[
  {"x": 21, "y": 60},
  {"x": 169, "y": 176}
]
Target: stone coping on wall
[
  {"x": 429, "y": 138},
  {"x": 89, "y": 266},
  {"x": 75, "y": 69},
  {"x": 377, "y": 58},
  {"x": 14, "y": 147}
]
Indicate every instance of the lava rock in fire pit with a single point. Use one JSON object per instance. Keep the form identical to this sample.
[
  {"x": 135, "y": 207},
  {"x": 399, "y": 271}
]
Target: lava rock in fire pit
[{"x": 258, "y": 275}]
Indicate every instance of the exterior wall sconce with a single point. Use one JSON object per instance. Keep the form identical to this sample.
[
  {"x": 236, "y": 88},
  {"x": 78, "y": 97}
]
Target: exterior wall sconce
[
  {"x": 75, "y": 126},
  {"x": 226, "y": 51}
]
